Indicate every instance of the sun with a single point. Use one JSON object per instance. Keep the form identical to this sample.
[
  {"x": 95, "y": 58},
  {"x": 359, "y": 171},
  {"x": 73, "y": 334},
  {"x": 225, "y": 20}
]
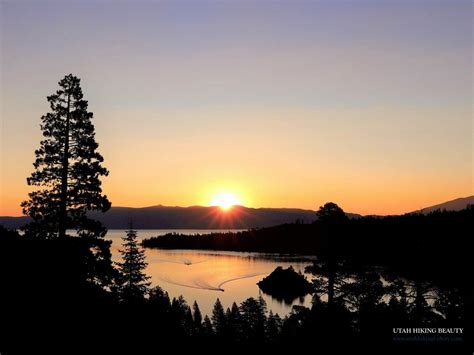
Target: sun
[{"x": 225, "y": 200}]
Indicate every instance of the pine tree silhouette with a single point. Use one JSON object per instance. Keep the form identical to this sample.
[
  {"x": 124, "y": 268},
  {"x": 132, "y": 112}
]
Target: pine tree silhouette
[
  {"x": 68, "y": 168},
  {"x": 218, "y": 318},
  {"x": 135, "y": 282}
]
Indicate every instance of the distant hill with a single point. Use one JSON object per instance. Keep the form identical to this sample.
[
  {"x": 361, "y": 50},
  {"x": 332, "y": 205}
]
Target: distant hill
[
  {"x": 453, "y": 205},
  {"x": 13, "y": 222},
  {"x": 195, "y": 217},
  {"x": 200, "y": 217}
]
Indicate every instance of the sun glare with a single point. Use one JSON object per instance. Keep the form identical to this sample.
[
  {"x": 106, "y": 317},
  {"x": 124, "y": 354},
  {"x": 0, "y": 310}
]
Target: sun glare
[{"x": 225, "y": 200}]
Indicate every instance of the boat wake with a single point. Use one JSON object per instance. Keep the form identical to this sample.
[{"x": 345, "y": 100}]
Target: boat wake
[
  {"x": 201, "y": 285},
  {"x": 240, "y": 278},
  {"x": 204, "y": 285}
]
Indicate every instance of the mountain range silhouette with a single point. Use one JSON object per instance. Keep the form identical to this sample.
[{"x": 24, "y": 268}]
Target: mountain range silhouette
[{"x": 201, "y": 217}]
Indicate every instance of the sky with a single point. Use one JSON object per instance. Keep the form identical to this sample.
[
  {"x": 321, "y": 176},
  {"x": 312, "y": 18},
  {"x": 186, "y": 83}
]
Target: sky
[{"x": 282, "y": 103}]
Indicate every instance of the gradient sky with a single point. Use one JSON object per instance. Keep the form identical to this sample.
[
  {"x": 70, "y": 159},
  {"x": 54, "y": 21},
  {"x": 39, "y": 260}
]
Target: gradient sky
[{"x": 284, "y": 103}]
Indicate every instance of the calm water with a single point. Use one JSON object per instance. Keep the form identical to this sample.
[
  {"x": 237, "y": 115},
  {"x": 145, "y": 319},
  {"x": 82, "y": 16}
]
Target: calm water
[{"x": 203, "y": 276}]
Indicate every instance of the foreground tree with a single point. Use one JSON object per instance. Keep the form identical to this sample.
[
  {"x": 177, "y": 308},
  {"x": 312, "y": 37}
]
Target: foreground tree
[
  {"x": 197, "y": 319},
  {"x": 234, "y": 321},
  {"x": 208, "y": 331},
  {"x": 134, "y": 285},
  {"x": 218, "y": 319},
  {"x": 68, "y": 168},
  {"x": 331, "y": 217},
  {"x": 253, "y": 318},
  {"x": 273, "y": 327}
]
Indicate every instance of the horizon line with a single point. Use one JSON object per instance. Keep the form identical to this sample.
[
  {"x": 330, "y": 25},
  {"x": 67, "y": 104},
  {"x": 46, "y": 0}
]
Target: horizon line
[{"x": 274, "y": 208}]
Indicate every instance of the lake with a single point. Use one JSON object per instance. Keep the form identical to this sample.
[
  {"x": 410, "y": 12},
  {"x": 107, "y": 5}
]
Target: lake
[{"x": 204, "y": 276}]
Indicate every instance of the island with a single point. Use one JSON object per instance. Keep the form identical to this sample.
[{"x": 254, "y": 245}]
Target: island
[{"x": 285, "y": 284}]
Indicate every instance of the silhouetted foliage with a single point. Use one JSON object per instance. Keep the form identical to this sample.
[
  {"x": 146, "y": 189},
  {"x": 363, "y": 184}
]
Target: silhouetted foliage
[
  {"x": 208, "y": 331},
  {"x": 218, "y": 319},
  {"x": 159, "y": 299},
  {"x": 331, "y": 213},
  {"x": 180, "y": 311},
  {"x": 68, "y": 168},
  {"x": 234, "y": 323},
  {"x": 197, "y": 319},
  {"x": 267, "y": 240},
  {"x": 332, "y": 220},
  {"x": 252, "y": 315},
  {"x": 273, "y": 327},
  {"x": 322, "y": 271},
  {"x": 134, "y": 282}
]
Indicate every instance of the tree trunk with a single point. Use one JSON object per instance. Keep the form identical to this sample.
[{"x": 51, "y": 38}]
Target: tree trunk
[
  {"x": 331, "y": 277},
  {"x": 329, "y": 234},
  {"x": 419, "y": 299},
  {"x": 63, "y": 201}
]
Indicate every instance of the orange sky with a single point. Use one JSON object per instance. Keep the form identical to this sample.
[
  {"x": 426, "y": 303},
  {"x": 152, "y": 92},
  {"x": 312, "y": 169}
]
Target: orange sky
[
  {"x": 270, "y": 172},
  {"x": 268, "y": 101}
]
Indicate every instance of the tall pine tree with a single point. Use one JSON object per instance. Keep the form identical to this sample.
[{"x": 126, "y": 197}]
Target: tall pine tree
[
  {"x": 68, "y": 168},
  {"x": 218, "y": 318},
  {"x": 134, "y": 281}
]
